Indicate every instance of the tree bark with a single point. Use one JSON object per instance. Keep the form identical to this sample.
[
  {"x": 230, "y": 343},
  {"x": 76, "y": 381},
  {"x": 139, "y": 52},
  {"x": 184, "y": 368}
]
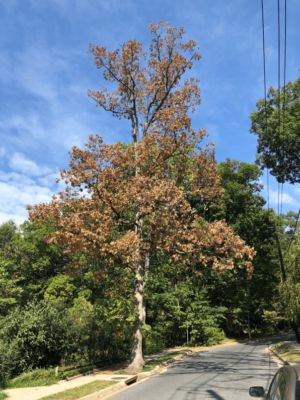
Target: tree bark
[{"x": 137, "y": 361}]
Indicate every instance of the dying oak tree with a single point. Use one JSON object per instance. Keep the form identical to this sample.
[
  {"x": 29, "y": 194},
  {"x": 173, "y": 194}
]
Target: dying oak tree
[{"x": 129, "y": 203}]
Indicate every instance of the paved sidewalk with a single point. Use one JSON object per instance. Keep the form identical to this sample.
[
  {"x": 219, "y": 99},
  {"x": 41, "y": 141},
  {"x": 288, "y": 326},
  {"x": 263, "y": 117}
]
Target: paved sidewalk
[{"x": 34, "y": 393}]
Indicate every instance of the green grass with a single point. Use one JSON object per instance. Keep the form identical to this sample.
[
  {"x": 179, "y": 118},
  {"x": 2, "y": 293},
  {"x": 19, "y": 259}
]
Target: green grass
[
  {"x": 38, "y": 377},
  {"x": 3, "y": 395},
  {"x": 45, "y": 377},
  {"x": 80, "y": 391},
  {"x": 152, "y": 363},
  {"x": 287, "y": 351},
  {"x": 68, "y": 372}
]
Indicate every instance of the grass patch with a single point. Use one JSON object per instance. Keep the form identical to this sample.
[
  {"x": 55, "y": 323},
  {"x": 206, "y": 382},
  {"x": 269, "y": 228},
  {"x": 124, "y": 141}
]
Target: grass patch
[
  {"x": 287, "y": 351},
  {"x": 151, "y": 363},
  {"x": 80, "y": 391},
  {"x": 38, "y": 377},
  {"x": 3, "y": 395},
  {"x": 68, "y": 372},
  {"x": 45, "y": 377}
]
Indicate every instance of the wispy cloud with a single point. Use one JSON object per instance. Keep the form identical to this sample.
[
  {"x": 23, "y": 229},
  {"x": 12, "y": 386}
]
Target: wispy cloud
[
  {"x": 286, "y": 199},
  {"x": 19, "y": 162},
  {"x": 18, "y": 191}
]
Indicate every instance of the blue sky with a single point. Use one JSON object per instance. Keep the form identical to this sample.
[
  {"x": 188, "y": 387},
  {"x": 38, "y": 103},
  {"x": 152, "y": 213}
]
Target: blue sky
[{"x": 46, "y": 71}]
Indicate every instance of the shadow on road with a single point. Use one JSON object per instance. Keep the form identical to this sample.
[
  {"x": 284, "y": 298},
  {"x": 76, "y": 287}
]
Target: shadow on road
[
  {"x": 223, "y": 373},
  {"x": 211, "y": 374},
  {"x": 214, "y": 394}
]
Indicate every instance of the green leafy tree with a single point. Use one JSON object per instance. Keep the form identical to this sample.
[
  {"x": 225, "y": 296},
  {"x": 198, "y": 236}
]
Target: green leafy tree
[
  {"x": 289, "y": 287},
  {"x": 242, "y": 206},
  {"x": 277, "y": 125},
  {"x": 10, "y": 289}
]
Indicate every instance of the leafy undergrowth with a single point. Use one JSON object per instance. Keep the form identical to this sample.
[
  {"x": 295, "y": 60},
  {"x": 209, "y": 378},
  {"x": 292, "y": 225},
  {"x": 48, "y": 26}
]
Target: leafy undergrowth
[
  {"x": 38, "y": 377},
  {"x": 45, "y": 377},
  {"x": 3, "y": 395},
  {"x": 288, "y": 351},
  {"x": 80, "y": 391}
]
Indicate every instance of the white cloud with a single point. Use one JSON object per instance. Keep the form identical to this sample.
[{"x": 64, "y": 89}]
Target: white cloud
[
  {"x": 26, "y": 184},
  {"x": 17, "y": 191},
  {"x": 19, "y": 162},
  {"x": 287, "y": 199}
]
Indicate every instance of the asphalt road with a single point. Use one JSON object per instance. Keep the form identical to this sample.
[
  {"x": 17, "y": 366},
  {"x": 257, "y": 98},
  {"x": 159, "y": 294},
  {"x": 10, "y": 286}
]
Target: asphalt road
[{"x": 222, "y": 373}]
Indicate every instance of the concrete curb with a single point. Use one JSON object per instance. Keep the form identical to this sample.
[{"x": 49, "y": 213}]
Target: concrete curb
[
  {"x": 107, "y": 392},
  {"x": 278, "y": 356}
]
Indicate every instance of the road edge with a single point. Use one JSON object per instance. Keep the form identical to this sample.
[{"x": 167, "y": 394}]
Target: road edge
[
  {"x": 142, "y": 376},
  {"x": 275, "y": 354}
]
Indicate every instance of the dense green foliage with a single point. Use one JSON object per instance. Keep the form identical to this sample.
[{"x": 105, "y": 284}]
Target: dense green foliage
[
  {"x": 37, "y": 377},
  {"x": 53, "y": 315},
  {"x": 277, "y": 125}
]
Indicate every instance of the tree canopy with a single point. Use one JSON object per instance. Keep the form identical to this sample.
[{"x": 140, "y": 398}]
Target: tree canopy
[{"x": 277, "y": 125}]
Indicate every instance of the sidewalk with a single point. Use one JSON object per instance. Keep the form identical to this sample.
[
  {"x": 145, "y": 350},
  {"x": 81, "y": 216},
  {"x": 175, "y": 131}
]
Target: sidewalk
[{"x": 35, "y": 393}]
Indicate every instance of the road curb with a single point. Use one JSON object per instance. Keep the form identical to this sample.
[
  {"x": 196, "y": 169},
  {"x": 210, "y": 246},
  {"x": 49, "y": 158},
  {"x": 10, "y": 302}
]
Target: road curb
[
  {"x": 278, "y": 356},
  {"x": 105, "y": 393}
]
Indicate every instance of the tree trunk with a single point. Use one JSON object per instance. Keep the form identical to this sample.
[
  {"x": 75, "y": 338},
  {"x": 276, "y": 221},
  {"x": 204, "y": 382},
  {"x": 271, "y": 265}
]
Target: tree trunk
[
  {"x": 137, "y": 361},
  {"x": 296, "y": 331}
]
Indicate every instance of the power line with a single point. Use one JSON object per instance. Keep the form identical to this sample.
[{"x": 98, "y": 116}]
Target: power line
[
  {"x": 265, "y": 90},
  {"x": 281, "y": 198},
  {"x": 281, "y": 123},
  {"x": 278, "y": 60},
  {"x": 278, "y": 84},
  {"x": 284, "y": 55}
]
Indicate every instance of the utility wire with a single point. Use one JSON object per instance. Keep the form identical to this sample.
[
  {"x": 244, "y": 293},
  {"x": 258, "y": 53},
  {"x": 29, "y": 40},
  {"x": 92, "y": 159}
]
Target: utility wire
[
  {"x": 265, "y": 90},
  {"x": 281, "y": 198},
  {"x": 278, "y": 61},
  {"x": 278, "y": 84},
  {"x": 284, "y": 58},
  {"x": 280, "y": 255},
  {"x": 284, "y": 84}
]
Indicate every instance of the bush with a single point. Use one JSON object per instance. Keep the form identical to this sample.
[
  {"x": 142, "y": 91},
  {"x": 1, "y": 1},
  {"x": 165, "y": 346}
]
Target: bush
[
  {"x": 32, "y": 338},
  {"x": 213, "y": 335},
  {"x": 154, "y": 340},
  {"x": 38, "y": 377},
  {"x": 4, "y": 367}
]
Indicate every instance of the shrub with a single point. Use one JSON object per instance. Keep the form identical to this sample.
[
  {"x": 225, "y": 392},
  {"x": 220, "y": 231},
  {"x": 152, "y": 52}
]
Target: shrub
[
  {"x": 212, "y": 335},
  {"x": 154, "y": 340},
  {"x": 38, "y": 377},
  {"x": 33, "y": 337}
]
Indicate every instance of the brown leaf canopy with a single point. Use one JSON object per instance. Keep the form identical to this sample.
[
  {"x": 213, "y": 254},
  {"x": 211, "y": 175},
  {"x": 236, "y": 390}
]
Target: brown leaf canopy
[
  {"x": 97, "y": 213},
  {"x": 126, "y": 202},
  {"x": 150, "y": 92}
]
